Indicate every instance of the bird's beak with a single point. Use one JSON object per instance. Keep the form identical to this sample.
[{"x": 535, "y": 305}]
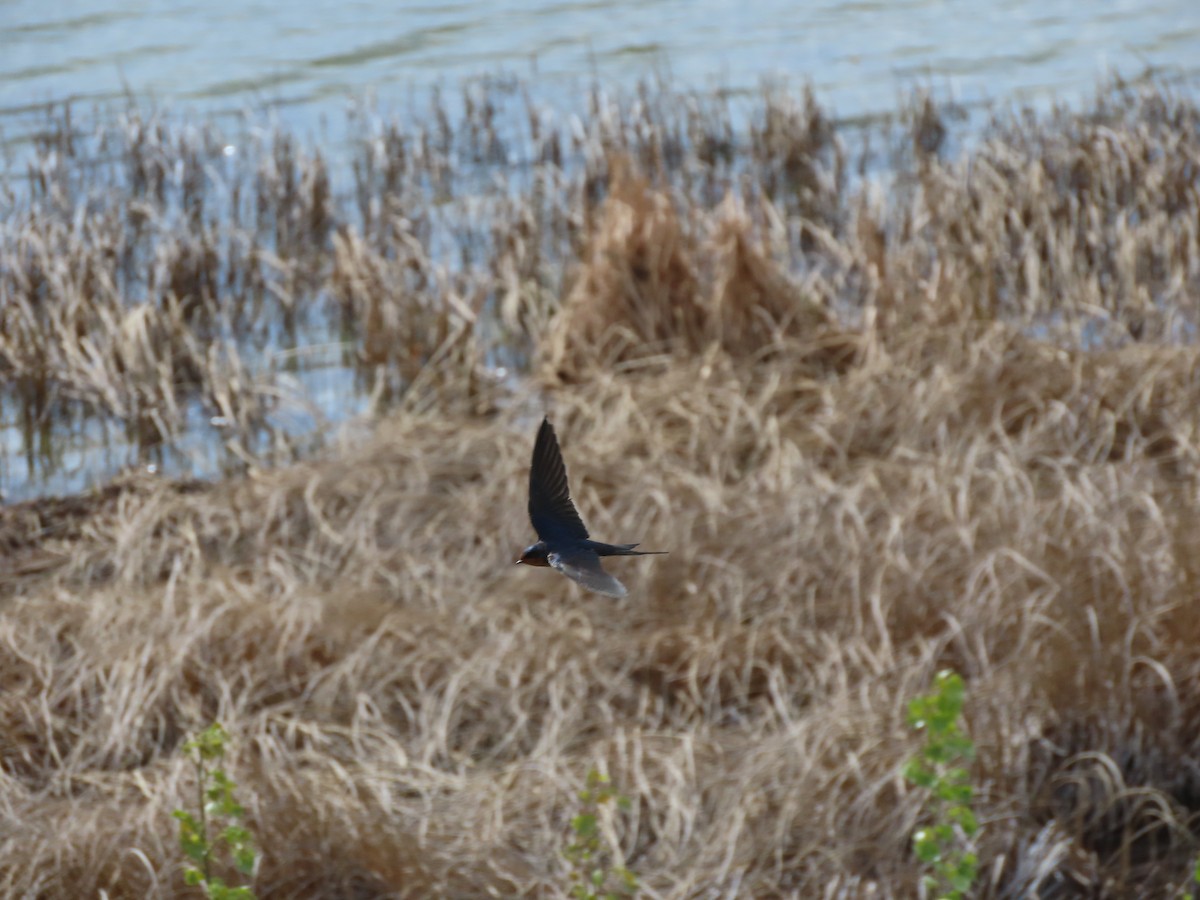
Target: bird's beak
[{"x": 519, "y": 561}]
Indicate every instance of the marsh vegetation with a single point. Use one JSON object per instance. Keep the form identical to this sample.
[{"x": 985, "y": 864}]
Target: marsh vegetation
[{"x": 893, "y": 410}]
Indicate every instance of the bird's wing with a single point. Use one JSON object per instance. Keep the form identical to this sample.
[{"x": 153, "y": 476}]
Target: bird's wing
[
  {"x": 583, "y": 565},
  {"x": 550, "y": 508}
]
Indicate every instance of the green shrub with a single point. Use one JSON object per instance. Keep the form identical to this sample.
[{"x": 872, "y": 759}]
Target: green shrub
[
  {"x": 946, "y": 846},
  {"x": 215, "y": 803},
  {"x": 593, "y": 874},
  {"x": 1189, "y": 894}
]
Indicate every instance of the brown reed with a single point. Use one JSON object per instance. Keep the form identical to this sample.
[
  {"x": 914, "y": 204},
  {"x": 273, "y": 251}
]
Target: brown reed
[{"x": 949, "y": 421}]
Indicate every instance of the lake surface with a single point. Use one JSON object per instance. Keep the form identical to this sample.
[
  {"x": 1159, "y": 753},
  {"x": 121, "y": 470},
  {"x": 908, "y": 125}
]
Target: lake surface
[
  {"x": 307, "y": 58},
  {"x": 305, "y": 64}
]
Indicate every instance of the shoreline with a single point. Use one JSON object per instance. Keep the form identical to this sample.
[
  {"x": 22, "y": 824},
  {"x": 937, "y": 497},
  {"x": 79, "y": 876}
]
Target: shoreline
[{"x": 228, "y": 305}]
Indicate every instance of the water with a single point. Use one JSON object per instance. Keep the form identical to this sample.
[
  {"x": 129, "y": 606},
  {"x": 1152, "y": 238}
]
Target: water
[
  {"x": 306, "y": 58},
  {"x": 308, "y": 62}
]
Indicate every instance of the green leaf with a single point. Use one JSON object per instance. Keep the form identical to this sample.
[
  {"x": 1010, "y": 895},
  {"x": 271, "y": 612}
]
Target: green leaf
[
  {"x": 918, "y": 773},
  {"x": 926, "y": 846},
  {"x": 963, "y": 875},
  {"x": 244, "y": 858},
  {"x": 965, "y": 817},
  {"x": 958, "y": 794},
  {"x": 210, "y": 743},
  {"x": 584, "y": 824},
  {"x": 193, "y": 843}
]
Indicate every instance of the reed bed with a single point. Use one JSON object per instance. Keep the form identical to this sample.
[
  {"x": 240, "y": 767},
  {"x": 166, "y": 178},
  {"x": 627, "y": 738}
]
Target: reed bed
[{"x": 884, "y": 426}]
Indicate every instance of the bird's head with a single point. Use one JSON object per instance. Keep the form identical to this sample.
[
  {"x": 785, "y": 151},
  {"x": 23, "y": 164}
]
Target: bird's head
[{"x": 534, "y": 555}]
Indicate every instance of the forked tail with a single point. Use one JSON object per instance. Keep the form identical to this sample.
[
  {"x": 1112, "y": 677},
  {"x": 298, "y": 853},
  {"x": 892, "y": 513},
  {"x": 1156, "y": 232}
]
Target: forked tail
[{"x": 622, "y": 550}]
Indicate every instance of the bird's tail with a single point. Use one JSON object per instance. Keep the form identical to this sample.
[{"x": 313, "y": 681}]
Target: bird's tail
[{"x": 621, "y": 550}]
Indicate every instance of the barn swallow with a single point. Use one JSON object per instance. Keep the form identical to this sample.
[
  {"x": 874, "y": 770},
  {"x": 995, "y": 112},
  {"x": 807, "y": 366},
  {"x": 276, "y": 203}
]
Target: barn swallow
[{"x": 564, "y": 543}]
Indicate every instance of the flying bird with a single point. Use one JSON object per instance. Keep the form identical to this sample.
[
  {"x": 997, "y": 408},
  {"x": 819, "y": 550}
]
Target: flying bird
[{"x": 564, "y": 543}]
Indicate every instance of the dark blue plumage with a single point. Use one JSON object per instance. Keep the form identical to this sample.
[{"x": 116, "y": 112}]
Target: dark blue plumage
[{"x": 564, "y": 542}]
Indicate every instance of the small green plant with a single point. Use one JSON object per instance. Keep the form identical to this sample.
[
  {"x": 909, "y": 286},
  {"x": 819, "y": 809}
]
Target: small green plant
[
  {"x": 945, "y": 847},
  {"x": 216, "y": 803},
  {"x": 593, "y": 875},
  {"x": 1191, "y": 894}
]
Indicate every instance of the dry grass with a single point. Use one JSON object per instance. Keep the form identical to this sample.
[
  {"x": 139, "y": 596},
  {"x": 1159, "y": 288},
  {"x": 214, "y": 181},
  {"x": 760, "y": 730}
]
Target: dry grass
[{"x": 950, "y": 424}]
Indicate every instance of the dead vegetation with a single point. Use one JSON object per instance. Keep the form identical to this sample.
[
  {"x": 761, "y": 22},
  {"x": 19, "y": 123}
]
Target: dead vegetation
[{"x": 950, "y": 420}]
